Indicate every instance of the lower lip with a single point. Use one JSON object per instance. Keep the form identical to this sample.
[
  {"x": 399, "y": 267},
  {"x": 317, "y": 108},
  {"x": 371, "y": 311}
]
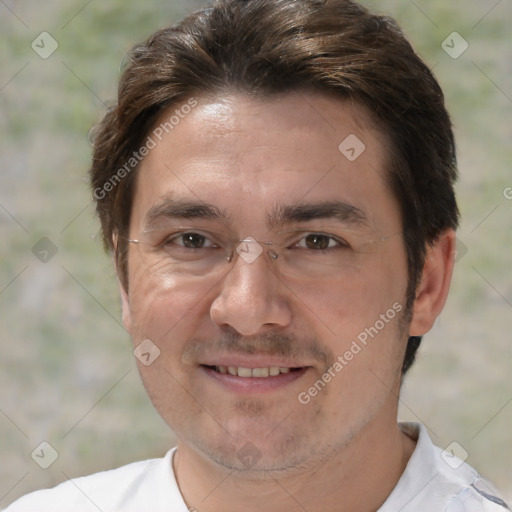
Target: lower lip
[{"x": 254, "y": 384}]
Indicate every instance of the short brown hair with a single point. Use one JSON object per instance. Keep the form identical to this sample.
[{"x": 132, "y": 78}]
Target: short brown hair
[{"x": 267, "y": 47}]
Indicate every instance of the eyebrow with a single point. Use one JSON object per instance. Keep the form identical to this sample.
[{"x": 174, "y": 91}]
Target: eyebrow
[
  {"x": 279, "y": 216},
  {"x": 336, "y": 210},
  {"x": 182, "y": 209}
]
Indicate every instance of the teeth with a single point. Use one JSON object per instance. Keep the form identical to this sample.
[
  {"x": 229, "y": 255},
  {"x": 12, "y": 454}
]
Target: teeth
[
  {"x": 241, "y": 371},
  {"x": 260, "y": 372},
  {"x": 244, "y": 372}
]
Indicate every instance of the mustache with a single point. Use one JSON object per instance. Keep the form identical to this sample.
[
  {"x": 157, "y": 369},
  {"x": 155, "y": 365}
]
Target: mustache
[{"x": 270, "y": 343}]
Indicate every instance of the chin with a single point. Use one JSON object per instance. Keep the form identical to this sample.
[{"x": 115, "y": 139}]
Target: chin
[{"x": 257, "y": 452}]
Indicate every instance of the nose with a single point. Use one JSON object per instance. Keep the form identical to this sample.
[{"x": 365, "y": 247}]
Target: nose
[{"x": 251, "y": 298}]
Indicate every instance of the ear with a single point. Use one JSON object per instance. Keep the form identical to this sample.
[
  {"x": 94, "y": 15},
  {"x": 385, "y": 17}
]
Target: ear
[
  {"x": 123, "y": 292},
  {"x": 125, "y": 305},
  {"x": 435, "y": 282}
]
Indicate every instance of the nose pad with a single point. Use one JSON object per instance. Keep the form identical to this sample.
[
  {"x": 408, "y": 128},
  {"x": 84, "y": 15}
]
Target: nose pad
[{"x": 273, "y": 254}]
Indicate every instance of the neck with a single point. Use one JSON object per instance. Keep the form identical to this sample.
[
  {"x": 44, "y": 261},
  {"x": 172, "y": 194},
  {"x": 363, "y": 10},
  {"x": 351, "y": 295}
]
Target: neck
[{"x": 369, "y": 466}]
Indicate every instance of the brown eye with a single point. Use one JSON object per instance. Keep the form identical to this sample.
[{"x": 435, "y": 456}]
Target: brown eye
[
  {"x": 319, "y": 242},
  {"x": 193, "y": 240},
  {"x": 189, "y": 241}
]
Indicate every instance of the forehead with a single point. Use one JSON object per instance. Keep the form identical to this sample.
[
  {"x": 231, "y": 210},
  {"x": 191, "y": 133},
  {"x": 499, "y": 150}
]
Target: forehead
[{"x": 249, "y": 156}]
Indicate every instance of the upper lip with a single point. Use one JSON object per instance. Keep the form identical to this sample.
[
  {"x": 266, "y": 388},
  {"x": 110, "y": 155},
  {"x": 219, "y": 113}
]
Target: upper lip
[{"x": 252, "y": 362}]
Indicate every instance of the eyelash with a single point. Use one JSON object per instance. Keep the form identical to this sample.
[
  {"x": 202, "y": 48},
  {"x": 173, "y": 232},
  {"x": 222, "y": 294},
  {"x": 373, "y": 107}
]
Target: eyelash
[
  {"x": 171, "y": 239},
  {"x": 340, "y": 242}
]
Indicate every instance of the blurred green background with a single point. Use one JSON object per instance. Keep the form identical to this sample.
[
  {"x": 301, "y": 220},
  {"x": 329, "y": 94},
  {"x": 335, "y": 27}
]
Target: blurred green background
[{"x": 67, "y": 374}]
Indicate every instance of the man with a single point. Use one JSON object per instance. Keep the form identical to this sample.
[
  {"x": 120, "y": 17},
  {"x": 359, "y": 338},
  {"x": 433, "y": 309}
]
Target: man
[{"x": 276, "y": 185}]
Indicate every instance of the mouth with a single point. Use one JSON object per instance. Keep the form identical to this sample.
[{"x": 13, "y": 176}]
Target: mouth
[
  {"x": 246, "y": 379},
  {"x": 261, "y": 373}
]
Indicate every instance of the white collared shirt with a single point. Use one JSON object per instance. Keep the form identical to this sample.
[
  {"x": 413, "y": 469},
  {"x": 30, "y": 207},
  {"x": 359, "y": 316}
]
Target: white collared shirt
[
  {"x": 439, "y": 481},
  {"x": 433, "y": 481}
]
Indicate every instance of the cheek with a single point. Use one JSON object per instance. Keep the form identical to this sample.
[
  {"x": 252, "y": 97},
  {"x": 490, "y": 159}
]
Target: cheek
[
  {"x": 162, "y": 308},
  {"x": 348, "y": 305},
  {"x": 166, "y": 313}
]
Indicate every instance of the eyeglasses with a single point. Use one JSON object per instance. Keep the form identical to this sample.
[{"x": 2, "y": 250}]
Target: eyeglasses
[{"x": 195, "y": 253}]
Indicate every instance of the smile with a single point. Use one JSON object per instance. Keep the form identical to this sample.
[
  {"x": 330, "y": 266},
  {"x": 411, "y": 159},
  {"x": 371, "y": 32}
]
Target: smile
[
  {"x": 240, "y": 371},
  {"x": 261, "y": 379}
]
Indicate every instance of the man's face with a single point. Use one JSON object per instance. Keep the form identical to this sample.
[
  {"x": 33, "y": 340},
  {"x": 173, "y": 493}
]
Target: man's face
[{"x": 324, "y": 302}]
